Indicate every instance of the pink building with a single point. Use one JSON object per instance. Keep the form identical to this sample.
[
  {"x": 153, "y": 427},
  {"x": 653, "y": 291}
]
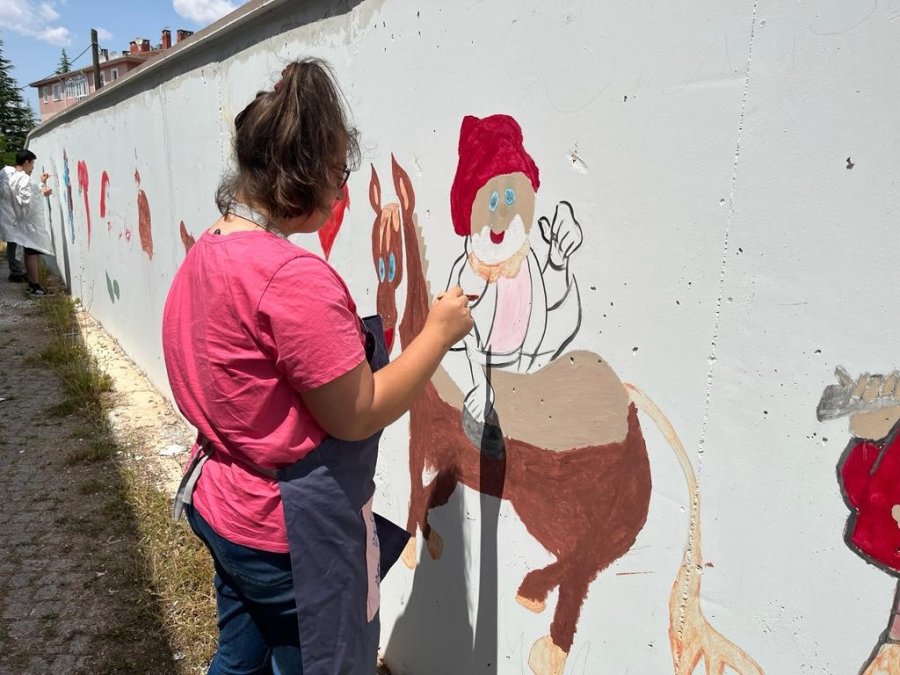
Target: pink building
[{"x": 60, "y": 91}]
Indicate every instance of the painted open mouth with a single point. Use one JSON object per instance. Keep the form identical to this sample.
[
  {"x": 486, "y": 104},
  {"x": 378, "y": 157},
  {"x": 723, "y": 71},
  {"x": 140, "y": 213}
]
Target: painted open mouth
[
  {"x": 389, "y": 338},
  {"x": 497, "y": 237}
]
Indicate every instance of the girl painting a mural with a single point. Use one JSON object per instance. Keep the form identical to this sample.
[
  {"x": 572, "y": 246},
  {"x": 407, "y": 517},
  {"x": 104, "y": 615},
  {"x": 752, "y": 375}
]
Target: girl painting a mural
[{"x": 289, "y": 391}]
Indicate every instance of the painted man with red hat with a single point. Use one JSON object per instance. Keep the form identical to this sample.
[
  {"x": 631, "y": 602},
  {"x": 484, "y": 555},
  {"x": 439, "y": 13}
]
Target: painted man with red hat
[{"x": 528, "y": 307}]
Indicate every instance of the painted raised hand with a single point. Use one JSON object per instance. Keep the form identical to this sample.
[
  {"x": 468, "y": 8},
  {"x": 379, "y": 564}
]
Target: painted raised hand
[{"x": 563, "y": 234}]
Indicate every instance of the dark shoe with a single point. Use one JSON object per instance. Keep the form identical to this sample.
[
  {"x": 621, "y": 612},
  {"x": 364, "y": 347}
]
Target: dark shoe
[
  {"x": 39, "y": 291},
  {"x": 18, "y": 278}
]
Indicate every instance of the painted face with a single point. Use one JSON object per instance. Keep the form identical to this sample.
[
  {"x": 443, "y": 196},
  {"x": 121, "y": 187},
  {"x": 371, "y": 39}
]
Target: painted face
[
  {"x": 387, "y": 254},
  {"x": 502, "y": 217}
]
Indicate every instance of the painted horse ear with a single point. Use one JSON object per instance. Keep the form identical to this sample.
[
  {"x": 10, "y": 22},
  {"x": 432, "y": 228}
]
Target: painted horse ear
[
  {"x": 375, "y": 191},
  {"x": 403, "y": 186}
]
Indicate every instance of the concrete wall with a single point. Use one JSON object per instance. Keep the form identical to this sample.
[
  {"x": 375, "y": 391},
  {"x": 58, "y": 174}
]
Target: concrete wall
[{"x": 731, "y": 168}]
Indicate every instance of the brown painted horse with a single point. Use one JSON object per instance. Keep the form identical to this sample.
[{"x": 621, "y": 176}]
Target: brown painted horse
[{"x": 584, "y": 502}]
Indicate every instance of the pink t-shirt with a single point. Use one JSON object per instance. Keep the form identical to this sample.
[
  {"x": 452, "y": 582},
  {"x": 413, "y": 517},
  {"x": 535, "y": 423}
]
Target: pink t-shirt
[{"x": 250, "y": 321}]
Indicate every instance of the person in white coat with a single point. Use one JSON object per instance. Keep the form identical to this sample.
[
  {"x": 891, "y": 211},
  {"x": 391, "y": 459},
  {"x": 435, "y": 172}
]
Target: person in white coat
[
  {"x": 22, "y": 215},
  {"x": 13, "y": 259}
]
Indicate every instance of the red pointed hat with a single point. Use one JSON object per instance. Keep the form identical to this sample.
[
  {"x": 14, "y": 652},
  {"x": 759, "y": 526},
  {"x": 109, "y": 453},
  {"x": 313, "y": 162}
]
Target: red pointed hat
[{"x": 488, "y": 147}]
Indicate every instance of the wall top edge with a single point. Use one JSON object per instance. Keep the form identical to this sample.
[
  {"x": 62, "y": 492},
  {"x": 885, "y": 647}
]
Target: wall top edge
[{"x": 219, "y": 30}]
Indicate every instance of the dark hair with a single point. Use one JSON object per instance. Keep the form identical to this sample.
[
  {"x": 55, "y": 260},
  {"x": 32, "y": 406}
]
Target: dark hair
[
  {"x": 23, "y": 156},
  {"x": 287, "y": 143}
]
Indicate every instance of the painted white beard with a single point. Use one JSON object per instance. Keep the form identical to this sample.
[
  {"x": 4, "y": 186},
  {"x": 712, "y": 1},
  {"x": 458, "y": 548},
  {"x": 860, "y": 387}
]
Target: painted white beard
[{"x": 489, "y": 252}]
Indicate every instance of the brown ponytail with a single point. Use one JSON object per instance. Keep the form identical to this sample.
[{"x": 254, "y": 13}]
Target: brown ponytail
[{"x": 290, "y": 144}]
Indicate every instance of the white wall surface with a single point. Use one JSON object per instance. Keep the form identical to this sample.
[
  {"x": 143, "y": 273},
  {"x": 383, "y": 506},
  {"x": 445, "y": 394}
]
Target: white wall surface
[{"x": 730, "y": 261}]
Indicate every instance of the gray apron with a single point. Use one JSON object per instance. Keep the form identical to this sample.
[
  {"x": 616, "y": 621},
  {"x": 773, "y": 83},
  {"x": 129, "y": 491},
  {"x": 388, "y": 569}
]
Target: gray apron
[{"x": 340, "y": 549}]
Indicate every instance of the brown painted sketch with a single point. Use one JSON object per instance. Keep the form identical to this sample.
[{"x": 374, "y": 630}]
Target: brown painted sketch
[{"x": 582, "y": 490}]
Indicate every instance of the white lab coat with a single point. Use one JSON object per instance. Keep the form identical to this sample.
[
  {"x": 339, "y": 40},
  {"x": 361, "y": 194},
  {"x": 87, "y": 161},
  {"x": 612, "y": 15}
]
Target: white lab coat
[{"x": 23, "y": 217}]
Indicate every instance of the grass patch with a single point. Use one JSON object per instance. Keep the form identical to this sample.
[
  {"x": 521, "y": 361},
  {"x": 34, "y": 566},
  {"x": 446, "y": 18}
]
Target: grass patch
[
  {"x": 172, "y": 570},
  {"x": 98, "y": 450},
  {"x": 182, "y": 569}
]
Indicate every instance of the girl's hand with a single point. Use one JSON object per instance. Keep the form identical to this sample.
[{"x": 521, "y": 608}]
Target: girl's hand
[{"x": 450, "y": 317}]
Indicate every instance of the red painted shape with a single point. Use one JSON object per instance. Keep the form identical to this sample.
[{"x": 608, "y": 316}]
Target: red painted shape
[
  {"x": 329, "y": 231},
  {"x": 488, "y": 147},
  {"x": 144, "y": 230},
  {"x": 104, "y": 195},
  {"x": 186, "y": 237},
  {"x": 870, "y": 477},
  {"x": 497, "y": 237},
  {"x": 83, "y": 189}
]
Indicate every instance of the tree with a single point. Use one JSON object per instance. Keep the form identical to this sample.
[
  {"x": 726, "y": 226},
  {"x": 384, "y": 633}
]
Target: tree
[
  {"x": 64, "y": 64},
  {"x": 16, "y": 116}
]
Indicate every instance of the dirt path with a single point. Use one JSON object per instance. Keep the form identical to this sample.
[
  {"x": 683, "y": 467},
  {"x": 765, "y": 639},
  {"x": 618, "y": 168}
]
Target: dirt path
[{"x": 74, "y": 596}]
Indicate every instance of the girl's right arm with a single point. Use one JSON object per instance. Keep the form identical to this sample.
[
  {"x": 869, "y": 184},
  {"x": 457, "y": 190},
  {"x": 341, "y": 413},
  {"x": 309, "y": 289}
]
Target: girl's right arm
[{"x": 359, "y": 403}]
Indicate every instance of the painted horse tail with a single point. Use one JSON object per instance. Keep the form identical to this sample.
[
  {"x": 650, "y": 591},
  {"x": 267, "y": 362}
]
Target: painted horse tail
[{"x": 690, "y": 634}]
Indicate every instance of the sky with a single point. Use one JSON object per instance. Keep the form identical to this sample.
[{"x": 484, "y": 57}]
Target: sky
[{"x": 34, "y": 32}]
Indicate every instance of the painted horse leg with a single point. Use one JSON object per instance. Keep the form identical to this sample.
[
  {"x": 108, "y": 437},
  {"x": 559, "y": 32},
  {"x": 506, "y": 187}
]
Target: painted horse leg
[
  {"x": 417, "y": 503},
  {"x": 533, "y": 590},
  {"x": 437, "y": 494},
  {"x": 548, "y": 655}
]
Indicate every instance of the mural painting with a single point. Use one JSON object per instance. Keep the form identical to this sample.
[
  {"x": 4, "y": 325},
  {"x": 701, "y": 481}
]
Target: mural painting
[
  {"x": 104, "y": 196},
  {"x": 83, "y": 191},
  {"x": 144, "y": 230},
  {"x": 112, "y": 287},
  {"x": 186, "y": 239},
  {"x": 556, "y": 433},
  {"x": 868, "y": 473},
  {"x": 329, "y": 231},
  {"x": 70, "y": 207}
]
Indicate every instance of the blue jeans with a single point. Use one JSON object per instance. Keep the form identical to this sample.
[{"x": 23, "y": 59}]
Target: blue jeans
[{"x": 258, "y": 632}]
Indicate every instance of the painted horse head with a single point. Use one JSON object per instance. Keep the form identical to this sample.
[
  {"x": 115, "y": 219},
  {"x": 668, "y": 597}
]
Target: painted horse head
[{"x": 387, "y": 243}]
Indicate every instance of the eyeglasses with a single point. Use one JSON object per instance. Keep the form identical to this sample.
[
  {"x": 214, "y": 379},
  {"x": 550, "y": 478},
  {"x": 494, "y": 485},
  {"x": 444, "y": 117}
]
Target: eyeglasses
[{"x": 344, "y": 179}]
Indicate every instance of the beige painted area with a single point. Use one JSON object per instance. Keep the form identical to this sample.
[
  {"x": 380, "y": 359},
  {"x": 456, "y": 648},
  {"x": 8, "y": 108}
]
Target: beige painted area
[
  {"x": 499, "y": 219},
  {"x": 575, "y": 401},
  {"x": 875, "y": 424}
]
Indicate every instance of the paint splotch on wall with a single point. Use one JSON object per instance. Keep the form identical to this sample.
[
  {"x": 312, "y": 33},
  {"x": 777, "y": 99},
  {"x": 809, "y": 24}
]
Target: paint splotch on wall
[
  {"x": 112, "y": 287},
  {"x": 186, "y": 239},
  {"x": 869, "y": 477},
  {"x": 145, "y": 231},
  {"x": 329, "y": 231},
  {"x": 83, "y": 191},
  {"x": 104, "y": 196},
  {"x": 70, "y": 206}
]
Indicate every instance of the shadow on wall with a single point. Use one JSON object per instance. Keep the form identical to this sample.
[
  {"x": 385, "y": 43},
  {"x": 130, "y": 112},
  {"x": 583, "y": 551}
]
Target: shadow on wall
[{"x": 435, "y": 627}]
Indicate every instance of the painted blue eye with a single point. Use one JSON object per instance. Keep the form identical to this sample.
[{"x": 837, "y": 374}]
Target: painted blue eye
[
  {"x": 510, "y": 197},
  {"x": 494, "y": 201},
  {"x": 381, "y": 269},
  {"x": 392, "y": 267}
]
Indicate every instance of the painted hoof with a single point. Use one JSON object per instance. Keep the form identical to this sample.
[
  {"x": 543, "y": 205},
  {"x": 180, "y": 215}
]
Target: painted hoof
[
  {"x": 435, "y": 545},
  {"x": 546, "y": 658},
  {"x": 409, "y": 553},
  {"x": 536, "y": 606}
]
